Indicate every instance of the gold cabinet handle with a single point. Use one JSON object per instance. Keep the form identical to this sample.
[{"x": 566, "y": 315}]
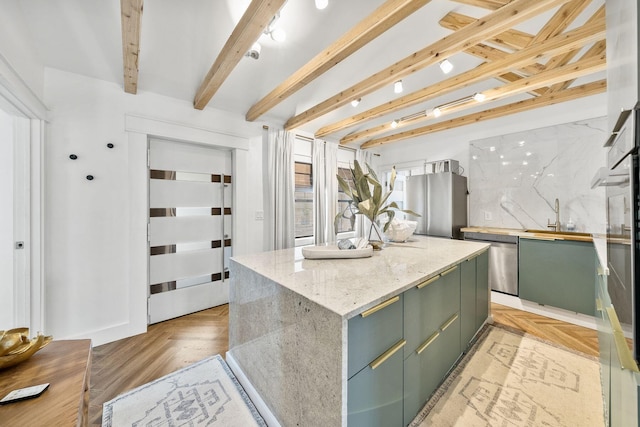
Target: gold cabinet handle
[
  {"x": 387, "y": 354},
  {"x": 428, "y": 342},
  {"x": 428, "y": 282},
  {"x": 380, "y": 306},
  {"x": 444, "y": 273},
  {"x": 449, "y": 322},
  {"x": 624, "y": 354},
  {"x": 598, "y": 304}
]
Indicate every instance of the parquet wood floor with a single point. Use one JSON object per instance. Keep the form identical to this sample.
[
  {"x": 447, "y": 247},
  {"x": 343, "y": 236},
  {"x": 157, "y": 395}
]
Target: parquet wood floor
[{"x": 168, "y": 346}]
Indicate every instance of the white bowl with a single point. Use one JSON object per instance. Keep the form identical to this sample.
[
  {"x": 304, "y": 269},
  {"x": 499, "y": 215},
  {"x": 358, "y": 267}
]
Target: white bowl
[{"x": 400, "y": 231}]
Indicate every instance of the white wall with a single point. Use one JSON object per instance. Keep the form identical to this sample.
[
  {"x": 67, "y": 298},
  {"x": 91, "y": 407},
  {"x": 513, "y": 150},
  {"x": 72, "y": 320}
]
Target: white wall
[
  {"x": 16, "y": 48},
  {"x": 93, "y": 239},
  {"x": 7, "y": 295}
]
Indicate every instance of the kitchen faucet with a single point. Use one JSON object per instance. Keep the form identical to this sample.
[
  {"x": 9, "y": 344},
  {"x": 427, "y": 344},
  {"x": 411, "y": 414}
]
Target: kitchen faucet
[{"x": 555, "y": 225}]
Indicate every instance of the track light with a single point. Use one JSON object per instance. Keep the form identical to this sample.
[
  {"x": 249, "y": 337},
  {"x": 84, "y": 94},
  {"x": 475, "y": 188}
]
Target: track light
[
  {"x": 321, "y": 4},
  {"x": 397, "y": 86},
  {"x": 276, "y": 33},
  {"x": 446, "y": 66},
  {"x": 254, "y": 52},
  {"x": 479, "y": 96},
  {"x": 355, "y": 102},
  {"x": 437, "y": 112},
  {"x": 394, "y": 124}
]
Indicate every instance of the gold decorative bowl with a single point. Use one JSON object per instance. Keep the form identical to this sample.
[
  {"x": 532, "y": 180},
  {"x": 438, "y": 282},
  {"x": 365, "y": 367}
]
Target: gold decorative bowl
[{"x": 16, "y": 347}]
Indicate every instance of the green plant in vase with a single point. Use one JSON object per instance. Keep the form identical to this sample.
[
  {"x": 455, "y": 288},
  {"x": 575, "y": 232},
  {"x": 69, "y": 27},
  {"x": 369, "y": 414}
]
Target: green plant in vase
[{"x": 367, "y": 199}]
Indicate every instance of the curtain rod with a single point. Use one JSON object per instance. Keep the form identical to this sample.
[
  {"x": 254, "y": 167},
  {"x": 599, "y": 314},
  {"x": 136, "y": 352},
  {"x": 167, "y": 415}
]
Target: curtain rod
[{"x": 306, "y": 138}]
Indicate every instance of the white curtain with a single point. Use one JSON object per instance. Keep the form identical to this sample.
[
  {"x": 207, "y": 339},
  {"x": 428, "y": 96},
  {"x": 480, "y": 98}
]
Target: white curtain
[
  {"x": 362, "y": 224},
  {"x": 280, "y": 200},
  {"x": 325, "y": 190}
]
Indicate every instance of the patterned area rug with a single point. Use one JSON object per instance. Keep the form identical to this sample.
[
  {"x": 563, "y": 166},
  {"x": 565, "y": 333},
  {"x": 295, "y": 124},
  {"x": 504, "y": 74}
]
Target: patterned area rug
[
  {"x": 203, "y": 394},
  {"x": 511, "y": 379}
]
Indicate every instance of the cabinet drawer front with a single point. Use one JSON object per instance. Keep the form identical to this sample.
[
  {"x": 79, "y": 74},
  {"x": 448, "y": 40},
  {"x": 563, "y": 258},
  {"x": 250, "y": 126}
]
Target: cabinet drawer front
[
  {"x": 375, "y": 396},
  {"x": 372, "y": 335},
  {"x": 558, "y": 273},
  {"x": 421, "y": 378},
  {"x": 426, "y": 309}
]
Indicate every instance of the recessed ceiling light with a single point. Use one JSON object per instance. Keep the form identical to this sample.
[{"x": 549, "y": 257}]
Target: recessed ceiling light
[
  {"x": 321, "y": 4},
  {"x": 355, "y": 102},
  {"x": 397, "y": 86}
]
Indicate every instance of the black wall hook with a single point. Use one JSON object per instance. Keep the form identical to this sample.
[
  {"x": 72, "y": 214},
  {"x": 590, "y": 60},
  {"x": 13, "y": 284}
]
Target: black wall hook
[
  {"x": 73, "y": 157},
  {"x": 110, "y": 145},
  {"x": 90, "y": 177}
]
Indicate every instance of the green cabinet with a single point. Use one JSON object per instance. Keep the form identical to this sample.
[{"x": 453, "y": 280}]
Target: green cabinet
[
  {"x": 558, "y": 273},
  {"x": 400, "y": 351},
  {"x": 618, "y": 371},
  {"x": 474, "y": 296},
  {"x": 376, "y": 393},
  {"x": 373, "y": 332},
  {"x": 429, "y": 304}
]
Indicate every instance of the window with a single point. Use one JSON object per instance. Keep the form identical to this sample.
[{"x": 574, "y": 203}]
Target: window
[
  {"x": 303, "y": 200},
  {"x": 344, "y": 226},
  {"x": 345, "y": 163}
]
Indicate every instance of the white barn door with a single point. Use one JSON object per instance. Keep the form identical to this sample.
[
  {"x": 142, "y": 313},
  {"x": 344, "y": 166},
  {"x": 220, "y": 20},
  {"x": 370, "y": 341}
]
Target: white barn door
[{"x": 190, "y": 218}]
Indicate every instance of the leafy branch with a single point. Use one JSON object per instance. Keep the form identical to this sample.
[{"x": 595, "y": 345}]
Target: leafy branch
[{"x": 367, "y": 198}]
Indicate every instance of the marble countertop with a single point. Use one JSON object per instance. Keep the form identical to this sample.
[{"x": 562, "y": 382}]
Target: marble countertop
[
  {"x": 349, "y": 286},
  {"x": 558, "y": 235}
]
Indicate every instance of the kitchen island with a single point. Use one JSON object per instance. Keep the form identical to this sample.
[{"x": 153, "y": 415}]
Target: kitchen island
[{"x": 363, "y": 341}]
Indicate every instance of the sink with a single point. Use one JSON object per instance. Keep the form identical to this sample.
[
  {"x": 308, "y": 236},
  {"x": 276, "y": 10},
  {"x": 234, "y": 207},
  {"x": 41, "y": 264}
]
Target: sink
[{"x": 571, "y": 233}]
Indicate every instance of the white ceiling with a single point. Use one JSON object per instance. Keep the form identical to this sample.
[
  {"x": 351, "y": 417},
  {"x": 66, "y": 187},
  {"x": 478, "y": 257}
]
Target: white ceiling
[{"x": 181, "y": 38}]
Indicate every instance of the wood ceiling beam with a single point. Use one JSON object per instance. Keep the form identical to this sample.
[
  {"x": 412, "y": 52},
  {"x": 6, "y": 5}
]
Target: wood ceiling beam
[
  {"x": 383, "y": 18},
  {"x": 559, "y": 22},
  {"x": 493, "y": 113},
  {"x": 546, "y": 78},
  {"x": 570, "y": 40},
  {"x": 509, "y": 39},
  {"x": 596, "y": 50},
  {"x": 486, "y": 4},
  {"x": 131, "y": 17},
  {"x": 253, "y": 22},
  {"x": 507, "y": 16},
  {"x": 492, "y": 54}
]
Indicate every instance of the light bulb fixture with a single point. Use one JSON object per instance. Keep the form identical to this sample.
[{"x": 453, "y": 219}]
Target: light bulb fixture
[
  {"x": 278, "y": 35},
  {"x": 446, "y": 66},
  {"x": 254, "y": 52},
  {"x": 397, "y": 87},
  {"x": 395, "y": 123},
  {"x": 437, "y": 112},
  {"x": 355, "y": 102},
  {"x": 479, "y": 96},
  {"x": 322, "y": 4}
]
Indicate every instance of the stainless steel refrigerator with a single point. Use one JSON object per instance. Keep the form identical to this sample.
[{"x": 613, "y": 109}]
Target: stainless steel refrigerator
[{"x": 441, "y": 199}]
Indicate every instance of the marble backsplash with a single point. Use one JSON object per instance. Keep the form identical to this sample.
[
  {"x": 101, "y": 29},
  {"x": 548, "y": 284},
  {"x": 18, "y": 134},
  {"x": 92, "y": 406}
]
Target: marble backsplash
[{"x": 514, "y": 179}]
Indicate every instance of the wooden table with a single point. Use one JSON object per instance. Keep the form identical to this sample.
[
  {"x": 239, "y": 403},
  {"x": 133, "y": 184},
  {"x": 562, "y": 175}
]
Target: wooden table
[{"x": 66, "y": 366}]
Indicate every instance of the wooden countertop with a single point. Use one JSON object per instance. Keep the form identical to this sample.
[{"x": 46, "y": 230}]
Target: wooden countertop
[
  {"x": 533, "y": 234},
  {"x": 66, "y": 366}
]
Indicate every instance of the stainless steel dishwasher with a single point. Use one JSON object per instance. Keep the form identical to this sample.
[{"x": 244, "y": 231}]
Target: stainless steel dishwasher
[{"x": 503, "y": 260}]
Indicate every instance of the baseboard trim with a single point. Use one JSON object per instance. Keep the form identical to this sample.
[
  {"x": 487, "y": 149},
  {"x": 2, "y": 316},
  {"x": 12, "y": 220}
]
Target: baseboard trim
[
  {"x": 260, "y": 405},
  {"x": 545, "y": 310}
]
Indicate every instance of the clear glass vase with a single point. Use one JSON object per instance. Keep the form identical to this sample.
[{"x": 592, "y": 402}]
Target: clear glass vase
[{"x": 375, "y": 236}]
